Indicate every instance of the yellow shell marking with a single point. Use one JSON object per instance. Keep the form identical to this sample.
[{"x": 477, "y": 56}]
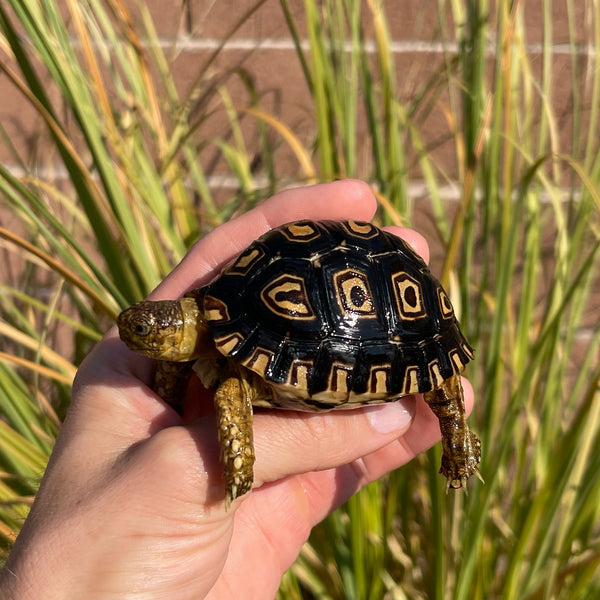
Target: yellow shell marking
[
  {"x": 445, "y": 305},
  {"x": 226, "y": 345},
  {"x": 259, "y": 360},
  {"x": 287, "y": 297},
  {"x": 363, "y": 230},
  {"x": 435, "y": 373},
  {"x": 300, "y": 232},
  {"x": 409, "y": 296},
  {"x": 339, "y": 378},
  {"x": 353, "y": 292},
  {"x": 215, "y": 310},
  {"x": 411, "y": 381},
  {"x": 246, "y": 261},
  {"x": 378, "y": 380},
  {"x": 299, "y": 372},
  {"x": 468, "y": 351},
  {"x": 455, "y": 358}
]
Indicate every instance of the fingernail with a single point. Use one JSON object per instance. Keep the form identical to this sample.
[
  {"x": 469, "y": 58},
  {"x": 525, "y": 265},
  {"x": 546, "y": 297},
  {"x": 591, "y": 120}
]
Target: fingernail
[{"x": 391, "y": 416}]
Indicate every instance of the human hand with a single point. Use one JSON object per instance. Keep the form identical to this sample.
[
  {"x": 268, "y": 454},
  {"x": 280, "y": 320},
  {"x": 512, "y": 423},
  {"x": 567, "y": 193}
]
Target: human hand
[{"x": 127, "y": 506}]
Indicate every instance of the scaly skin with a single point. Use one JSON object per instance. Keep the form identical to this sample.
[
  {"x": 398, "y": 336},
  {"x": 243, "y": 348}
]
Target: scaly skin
[
  {"x": 171, "y": 380},
  {"x": 461, "y": 448},
  {"x": 233, "y": 403}
]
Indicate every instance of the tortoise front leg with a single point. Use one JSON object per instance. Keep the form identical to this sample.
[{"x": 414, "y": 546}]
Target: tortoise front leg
[
  {"x": 234, "y": 415},
  {"x": 171, "y": 380},
  {"x": 461, "y": 448}
]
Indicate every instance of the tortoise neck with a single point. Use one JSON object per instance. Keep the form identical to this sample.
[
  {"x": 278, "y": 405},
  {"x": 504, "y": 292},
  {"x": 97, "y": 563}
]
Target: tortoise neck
[{"x": 196, "y": 340}]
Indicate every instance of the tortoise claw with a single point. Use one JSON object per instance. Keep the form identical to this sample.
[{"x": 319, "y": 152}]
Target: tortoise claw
[{"x": 234, "y": 414}]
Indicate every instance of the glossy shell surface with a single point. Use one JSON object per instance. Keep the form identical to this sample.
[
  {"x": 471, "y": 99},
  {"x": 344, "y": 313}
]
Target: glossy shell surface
[{"x": 335, "y": 314}]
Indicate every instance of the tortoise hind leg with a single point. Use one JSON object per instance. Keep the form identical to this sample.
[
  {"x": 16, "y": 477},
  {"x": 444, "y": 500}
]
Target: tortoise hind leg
[
  {"x": 234, "y": 414},
  {"x": 461, "y": 448}
]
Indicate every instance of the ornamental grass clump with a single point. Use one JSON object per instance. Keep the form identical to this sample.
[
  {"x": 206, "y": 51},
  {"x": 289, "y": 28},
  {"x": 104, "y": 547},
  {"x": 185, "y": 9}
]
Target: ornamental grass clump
[{"x": 515, "y": 221}]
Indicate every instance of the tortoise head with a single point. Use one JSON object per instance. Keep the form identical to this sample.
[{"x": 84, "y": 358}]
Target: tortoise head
[{"x": 166, "y": 329}]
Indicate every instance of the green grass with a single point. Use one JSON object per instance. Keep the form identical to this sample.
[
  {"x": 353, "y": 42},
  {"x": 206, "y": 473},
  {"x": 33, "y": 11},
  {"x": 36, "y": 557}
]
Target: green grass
[{"x": 521, "y": 262}]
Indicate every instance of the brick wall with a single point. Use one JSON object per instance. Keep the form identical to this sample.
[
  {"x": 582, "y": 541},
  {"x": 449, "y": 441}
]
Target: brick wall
[{"x": 190, "y": 31}]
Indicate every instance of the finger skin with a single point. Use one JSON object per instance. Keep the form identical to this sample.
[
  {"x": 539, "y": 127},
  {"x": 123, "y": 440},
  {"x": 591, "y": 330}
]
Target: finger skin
[{"x": 414, "y": 238}]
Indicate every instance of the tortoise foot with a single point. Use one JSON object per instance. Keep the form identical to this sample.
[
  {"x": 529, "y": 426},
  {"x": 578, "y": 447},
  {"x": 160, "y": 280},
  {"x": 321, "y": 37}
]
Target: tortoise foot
[
  {"x": 460, "y": 460},
  {"x": 234, "y": 414},
  {"x": 461, "y": 448}
]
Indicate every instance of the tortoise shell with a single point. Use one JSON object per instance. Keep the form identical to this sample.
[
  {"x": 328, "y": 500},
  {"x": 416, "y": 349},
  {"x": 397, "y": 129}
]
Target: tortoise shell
[{"x": 334, "y": 315}]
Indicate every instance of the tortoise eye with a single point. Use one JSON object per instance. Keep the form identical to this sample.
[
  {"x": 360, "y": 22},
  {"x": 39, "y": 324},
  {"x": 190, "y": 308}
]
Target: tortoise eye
[{"x": 142, "y": 329}]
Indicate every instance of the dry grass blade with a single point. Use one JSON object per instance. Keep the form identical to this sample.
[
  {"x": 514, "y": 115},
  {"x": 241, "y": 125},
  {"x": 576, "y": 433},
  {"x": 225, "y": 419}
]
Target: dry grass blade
[
  {"x": 56, "y": 266},
  {"x": 36, "y": 368},
  {"x": 45, "y": 353},
  {"x": 308, "y": 174}
]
